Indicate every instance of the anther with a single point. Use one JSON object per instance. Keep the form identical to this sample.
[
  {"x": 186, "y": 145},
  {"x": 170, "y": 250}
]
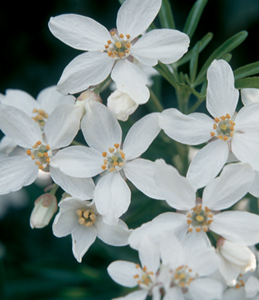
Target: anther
[
  {"x": 104, "y": 154},
  {"x": 28, "y": 152},
  {"x": 127, "y": 36},
  {"x": 121, "y": 36},
  {"x": 117, "y": 145},
  {"x": 198, "y": 229}
]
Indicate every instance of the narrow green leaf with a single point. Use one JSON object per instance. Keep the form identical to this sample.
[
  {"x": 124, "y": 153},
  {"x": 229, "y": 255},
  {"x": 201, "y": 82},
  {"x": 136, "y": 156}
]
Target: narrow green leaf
[
  {"x": 194, "y": 17},
  {"x": 248, "y": 70},
  {"x": 203, "y": 43},
  {"x": 121, "y": 1},
  {"x": 166, "y": 73},
  {"x": 249, "y": 82},
  {"x": 166, "y": 16},
  {"x": 194, "y": 62},
  {"x": 220, "y": 52}
]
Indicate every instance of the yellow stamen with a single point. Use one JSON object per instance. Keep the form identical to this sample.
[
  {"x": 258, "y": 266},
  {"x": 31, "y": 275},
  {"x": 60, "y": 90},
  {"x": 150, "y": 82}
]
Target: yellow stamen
[
  {"x": 104, "y": 154},
  {"x": 121, "y": 36},
  {"x": 198, "y": 229},
  {"x": 103, "y": 167},
  {"x": 40, "y": 154},
  {"x": 117, "y": 145},
  {"x": 127, "y": 36},
  {"x": 28, "y": 152}
]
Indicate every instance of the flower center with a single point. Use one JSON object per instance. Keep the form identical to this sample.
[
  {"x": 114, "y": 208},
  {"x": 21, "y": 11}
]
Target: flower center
[
  {"x": 239, "y": 282},
  {"x": 41, "y": 154},
  {"x": 119, "y": 46},
  {"x": 41, "y": 117},
  {"x": 182, "y": 277},
  {"x": 199, "y": 219},
  {"x": 114, "y": 159},
  {"x": 86, "y": 217},
  {"x": 144, "y": 278},
  {"x": 223, "y": 128}
]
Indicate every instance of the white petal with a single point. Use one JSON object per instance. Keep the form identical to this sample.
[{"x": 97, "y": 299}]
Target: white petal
[
  {"x": 166, "y": 45},
  {"x": 249, "y": 96},
  {"x": 225, "y": 190},
  {"x": 49, "y": 99},
  {"x": 89, "y": 68},
  {"x": 205, "y": 289},
  {"x": 174, "y": 293},
  {"x": 122, "y": 272},
  {"x": 207, "y": 163},
  {"x": 79, "y": 32},
  {"x": 245, "y": 146},
  {"x": 252, "y": 287},
  {"x": 193, "y": 129},
  {"x": 112, "y": 197},
  {"x": 19, "y": 127},
  {"x": 141, "y": 135},
  {"x": 237, "y": 226},
  {"x": 222, "y": 96},
  {"x": 115, "y": 235},
  {"x": 172, "y": 187},
  {"x": 20, "y": 100},
  {"x": 16, "y": 172},
  {"x": 62, "y": 126},
  {"x": 235, "y": 294},
  {"x": 254, "y": 189},
  {"x": 247, "y": 118},
  {"x": 194, "y": 241},
  {"x": 64, "y": 223},
  {"x": 130, "y": 79},
  {"x": 229, "y": 271},
  {"x": 82, "y": 188},
  {"x": 141, "y": 173},
  {"x": 83, "y": 237},
  {"x": 136, "y": 295},
  {"x": 78, "y": 161},
  {"x": 100, "y": 128},
  {"x": 134, "y": 17}
]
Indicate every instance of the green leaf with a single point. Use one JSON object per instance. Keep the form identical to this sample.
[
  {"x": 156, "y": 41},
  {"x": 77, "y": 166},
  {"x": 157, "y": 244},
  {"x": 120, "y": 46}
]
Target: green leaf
[
  {"x": 194, "y": 62},
  {"x": 202, "y": 44},
  {"x": 248, "y": 70},
  {"x": 194, "y": 17},
  {"x": 249, "y": 82},
  {"x": 166, "y": 73},
  {"x": 220, "y": 52},
  {"x": 166, "y": 16}
]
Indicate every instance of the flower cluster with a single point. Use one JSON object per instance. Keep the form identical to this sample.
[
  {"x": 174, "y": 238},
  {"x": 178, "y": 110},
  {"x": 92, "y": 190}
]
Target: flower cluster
[{"x": 202, "y": 247}]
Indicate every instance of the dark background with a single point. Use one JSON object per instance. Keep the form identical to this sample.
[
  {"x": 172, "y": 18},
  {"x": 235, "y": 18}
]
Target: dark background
[{"x": 35, "y": 264}]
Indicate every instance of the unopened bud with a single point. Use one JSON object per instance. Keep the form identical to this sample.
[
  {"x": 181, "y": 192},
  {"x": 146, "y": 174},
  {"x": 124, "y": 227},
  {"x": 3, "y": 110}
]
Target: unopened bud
[
  {"x": 44, "y": 209},
  {"x": 89, "y": 96},
  {"x": 238, "y": 255},
  {"x": 121, "y": 105}
]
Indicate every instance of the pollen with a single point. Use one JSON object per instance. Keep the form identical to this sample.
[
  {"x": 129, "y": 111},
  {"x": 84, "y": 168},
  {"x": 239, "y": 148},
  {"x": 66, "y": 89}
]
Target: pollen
[
  {"x": 224, "y": 128},
  {"x": 41, "y": 154},
  {"x": 114, "y": 158},
  {"x": 199, "y": 219},
  {"x": 86, "y": 217},
  {"x": 119, "y": 46}
]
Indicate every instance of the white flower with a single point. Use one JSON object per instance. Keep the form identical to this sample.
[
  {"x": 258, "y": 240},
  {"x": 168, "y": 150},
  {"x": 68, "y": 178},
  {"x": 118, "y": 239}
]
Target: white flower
[
  {"x": 40, "y": 109},
  {"x": 81, "y": 219},
  {"x": 121, "y": 105},
  {"x": 195, "y": 217},
  {"x": 107, "y": 157},
  {"x": 111, "y": 52},
  {"x": 227, "y": 132},
  {"x": 143, "y": 276},
  {"x": 44, "y": 209},
  {"x": 184, "y": 271},
  {"x": 59, "y": 131},
  {"x": 234, "y": 259}
]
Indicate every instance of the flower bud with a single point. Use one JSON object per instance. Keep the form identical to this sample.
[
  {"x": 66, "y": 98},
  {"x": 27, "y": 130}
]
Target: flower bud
[
  {"x": 121, "y": 105},
  {"x": 239, "y": 255},
  {"x": 44, "y": 208}
]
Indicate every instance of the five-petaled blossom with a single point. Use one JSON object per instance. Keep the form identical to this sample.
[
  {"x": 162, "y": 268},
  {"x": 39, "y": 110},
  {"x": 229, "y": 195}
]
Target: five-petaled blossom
[
  {"x": 81, "y": 219},
  {"x": 112, "y": 160},
  {"x": 113, "y": 52},
  {"x": 228, "y": 132}
]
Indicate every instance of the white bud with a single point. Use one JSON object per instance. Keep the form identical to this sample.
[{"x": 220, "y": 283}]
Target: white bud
[
  {"x": 238, "y": 255},
  {"x": 44, "y": 208},
  {"x": 121, "y": 105}
]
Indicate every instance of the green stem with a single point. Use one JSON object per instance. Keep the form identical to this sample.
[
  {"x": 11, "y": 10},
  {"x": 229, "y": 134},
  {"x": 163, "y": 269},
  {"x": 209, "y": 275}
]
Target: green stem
[
  {"x": 154, "y": 103},
  {"x": 54, "y": 189},
  {"x": 102, "y": 86}
]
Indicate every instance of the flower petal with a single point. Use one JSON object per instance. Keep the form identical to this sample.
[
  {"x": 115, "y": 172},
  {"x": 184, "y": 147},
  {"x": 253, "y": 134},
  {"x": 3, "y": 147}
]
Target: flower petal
[
  {"x": 16, "y": 172},
  {"x": 193, "y": 129},
  {"x": 141, "y": 134},
  {"x": 247, "y": 118},
  {"x": 83, "y": 237},
  {"x": 172, "y": 187},
  {"x": 249, "y": 96},
  {"x": 136, "y": 295},
  {"x": 100, "y": 128},
  {"x": 254, "y": 190},
  {"x": 19, "y": 127},
  {"x": 207, "y": 163},
  {"x": 166, "y": 45},
  {"x": 82, "y": 188},
  {"x": 222, "y": 96},
  {"x": 89, "y": 68},
  {"x": 112, "y": 197},
  {"x": 115, "y": 235},
  {"x": 78, "y": 161},
  {"x": 225, "y": 190},
  {"x": 205, "y": 289},
  {"x": 141, "y": 173},
  {"x": 64, "y": 223},
  {"x": 237, "y": 226},
  {"x": 173, "y": 294},
  {"x": 79, "y": 32},
  {"x": 134, "y": 18},
  {"x": 130, "y": 79}
]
